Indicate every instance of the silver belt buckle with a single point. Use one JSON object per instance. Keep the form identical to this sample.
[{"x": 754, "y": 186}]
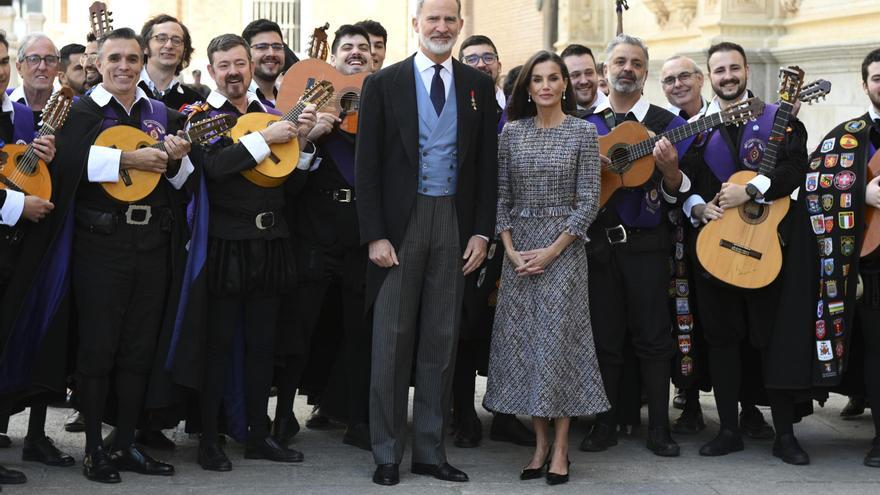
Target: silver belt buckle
[
  {"x": 342, "y": 195},
  {"x": 618, "y": 228},
  {"x": 129, "y": 214},
  {"x": 265, "y": 220}
]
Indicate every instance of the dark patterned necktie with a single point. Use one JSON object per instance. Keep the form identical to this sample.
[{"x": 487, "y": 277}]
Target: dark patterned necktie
[{"x": 438, "y": 90}]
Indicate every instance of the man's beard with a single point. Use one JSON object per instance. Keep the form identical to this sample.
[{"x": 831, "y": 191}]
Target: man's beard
[
  {"x": 436, "y": 47},
  {"x": 626, "y": 87},
  {"x": 740, "y": 89},
  {"x": 875, "y": 100},
  {"x": 266, "y": 76}
]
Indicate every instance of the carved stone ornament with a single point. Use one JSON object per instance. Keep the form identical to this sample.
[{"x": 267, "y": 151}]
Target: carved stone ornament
[{"x": 791, "y": 6}]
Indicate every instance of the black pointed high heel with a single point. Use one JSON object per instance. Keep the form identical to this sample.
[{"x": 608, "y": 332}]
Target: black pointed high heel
[
  {"x": 535, "y": 473},
  {"x": 557, "y": 479}
]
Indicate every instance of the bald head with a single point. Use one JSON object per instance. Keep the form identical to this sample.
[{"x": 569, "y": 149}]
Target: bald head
[{"x": 682, "y": 82}]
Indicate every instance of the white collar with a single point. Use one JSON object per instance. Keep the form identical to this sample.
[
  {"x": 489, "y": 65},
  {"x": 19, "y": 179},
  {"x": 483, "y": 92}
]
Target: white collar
[
  {"x": 639, "y": 110},
  {"x": 102, "y": 97},
  {"x": 872, "y": 112},
  {"x": 705, "y": 105},
  {"x": 500, "y": 97},
  {"x": 715, "y": 106},
  {"x": 424, "y": 63},
  {"x": 145, "y": 78},
  {"x": 217, "y": 100},
  {"x": 6, "y": 104},
  {"x": 254, "y": 87},
  {"x": 18, "y": 94}
]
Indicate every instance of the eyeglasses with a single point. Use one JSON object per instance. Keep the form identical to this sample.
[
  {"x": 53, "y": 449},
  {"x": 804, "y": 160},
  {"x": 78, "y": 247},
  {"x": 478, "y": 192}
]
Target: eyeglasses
[
  {"x": 87, "y": 58},
  {"x": 263, "y": 47},
  {"x": 163, "y": 38},
  {"x": 684, "y": 77},
  {"x": 34, "y": 60},
  {"x": 487, "y": 58}
]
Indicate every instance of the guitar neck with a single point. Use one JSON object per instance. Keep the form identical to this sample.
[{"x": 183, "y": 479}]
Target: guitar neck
[
  {"x": 45, "y": 130},
  {"x": 646, "y": 147},
  {"x": 161, "y": 144},
  {"x": 780, "y": 123},
  {"x": 295, "y": 112}
]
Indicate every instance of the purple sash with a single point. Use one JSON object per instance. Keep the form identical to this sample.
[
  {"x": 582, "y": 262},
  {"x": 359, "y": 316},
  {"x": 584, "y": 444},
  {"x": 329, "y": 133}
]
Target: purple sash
[
  {"x": 22, "y": 124},
  {"x": 343, "y": 155},
  {"x": 754, "y": 141},
  {"x": 154, "y": 119}
]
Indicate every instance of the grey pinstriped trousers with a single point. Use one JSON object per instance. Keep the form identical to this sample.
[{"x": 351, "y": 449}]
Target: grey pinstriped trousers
[{"x": 419, "y": 301}]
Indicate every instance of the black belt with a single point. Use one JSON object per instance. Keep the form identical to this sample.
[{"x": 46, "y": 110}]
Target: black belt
[
  {"x": 340, "y": 195},
  {"x": 105, "y": 222},
  {"x": 263, "y": 220},
  {"x": 623, "y": 237}
]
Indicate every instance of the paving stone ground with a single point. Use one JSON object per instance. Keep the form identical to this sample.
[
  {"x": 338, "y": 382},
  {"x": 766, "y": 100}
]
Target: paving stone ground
[{"x": 835, "y": 446}]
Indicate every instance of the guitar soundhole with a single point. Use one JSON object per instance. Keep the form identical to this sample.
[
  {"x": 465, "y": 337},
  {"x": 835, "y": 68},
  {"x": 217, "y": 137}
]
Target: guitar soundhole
[
  {"x": 349, "y": 102},
  {"x": 753, "y": 213},
  {"x": 27, "y": 169},
  {"x": 619, "y": 156}
]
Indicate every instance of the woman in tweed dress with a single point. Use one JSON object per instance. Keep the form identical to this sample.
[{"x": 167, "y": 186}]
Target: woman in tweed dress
[{"x": 543, "y": 362}]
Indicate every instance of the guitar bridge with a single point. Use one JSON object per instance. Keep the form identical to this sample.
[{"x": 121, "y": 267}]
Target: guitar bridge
[{"x": 736, "y": 248}]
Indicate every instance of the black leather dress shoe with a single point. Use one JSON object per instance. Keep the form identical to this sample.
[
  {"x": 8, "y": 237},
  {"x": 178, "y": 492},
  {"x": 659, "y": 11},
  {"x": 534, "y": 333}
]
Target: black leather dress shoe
[
  {"x": 854, "y": 407},
  {"x": 680, "y": 399},
  {"x": 690, "y": 422},
  {"x": 660, "y": 442},
  {"x": 468, "y": 432},
  {"x": 507, "y": 428},
  {"x": 787, "y": 448},
  {"x": 358, "y": 436},
  {"x": 43, "y": 450},
  {"x": 751, "y": 422},
  {"x": 212, "y": 458},
  {"x": 11, "y": 476},
  {"x": 443, "y": 472},
  {"x": 154, "y": 439},
  {"x": 267, "y": 448},
  {"x": 601, "y": 437},
  {"x": 5, "y": 441},
  {"x": 873, "y": 457},
  {"x": 133, "y": 458},
  {"x": 76, "y": 423},
  {"x": 724, "y": 443},
  {"x": 98, "y": 467},
  {"x": 284, "y": 429},
  {"x": 387, "y": 474}
]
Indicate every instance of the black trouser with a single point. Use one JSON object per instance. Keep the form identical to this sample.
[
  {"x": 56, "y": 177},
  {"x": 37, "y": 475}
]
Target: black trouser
[
  {"x": 869, "y": 318},
  {"x": 629, "y": 300},
  {"x": 256, "y": 316},
  {"x": 120, "y": 283},
  {"x": 734, "y": 320}
]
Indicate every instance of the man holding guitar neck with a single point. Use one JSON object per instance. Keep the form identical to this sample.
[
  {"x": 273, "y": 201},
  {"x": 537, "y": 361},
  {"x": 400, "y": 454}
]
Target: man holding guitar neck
[
  {"x": 628, "y": 254},
  {"x": 250, "y": 258},
  {"x": 731, "y": 316},
  {"x": 325, "y": 223}
]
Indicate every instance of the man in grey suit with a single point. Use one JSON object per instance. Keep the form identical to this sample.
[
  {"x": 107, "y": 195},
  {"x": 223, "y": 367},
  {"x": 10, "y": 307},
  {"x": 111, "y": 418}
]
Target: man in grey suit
[{"x": 426, "y": 189}]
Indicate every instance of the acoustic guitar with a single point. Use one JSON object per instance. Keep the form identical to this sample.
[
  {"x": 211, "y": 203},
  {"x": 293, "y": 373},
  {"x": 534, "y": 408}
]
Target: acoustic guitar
[
  {"x": 630, "y": 145},
  {"x": 283, "y": 158},
  {"x": 871, "y": 237},
  {"x": 345, "y": 103},
  {"x": 134, "y": 184},
  {"x": 20, "y": 168},
  {"x": 742, "y": 247}
]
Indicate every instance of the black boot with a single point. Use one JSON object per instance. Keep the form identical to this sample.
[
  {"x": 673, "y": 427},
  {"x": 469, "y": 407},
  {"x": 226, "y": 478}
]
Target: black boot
[
  {"x": 660, "y": 442},
  {"x": 43, "y": 450},
  {"x": 11, "y": 476},
  {"x": 854, "y": 407},
  {"x": 76, "y": 423},
  {"x": 787, "y": 448},
  {"x": 873, "y": 457},
  {"x": 507, "y": 428},
  {"x": 284, "y": 429},
  {"x": 268, "y": 448},
  {"x": 690, "y": 422},
  {"x": 601, "y": 437},
  {"x": 212, "y": 458},
  {"x": 468, "y": 432},
  {"x": 358, "y": 436},
  {"x": 726, "y": 442},
  {"x": 318, "y": 420}
]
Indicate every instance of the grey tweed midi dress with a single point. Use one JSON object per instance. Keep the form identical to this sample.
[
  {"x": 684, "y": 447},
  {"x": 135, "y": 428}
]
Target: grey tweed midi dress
[{"x": 543, "y": 360}]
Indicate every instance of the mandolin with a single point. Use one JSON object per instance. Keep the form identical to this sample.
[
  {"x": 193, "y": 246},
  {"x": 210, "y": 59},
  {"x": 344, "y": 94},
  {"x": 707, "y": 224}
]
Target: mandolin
[
  {"x": 742, "y": 247},
  {"x": 133, "y": 184},
  {"x": 283, "y": 158},
  {"x": 303, "y": 74},
  {"x": 21, "y": 170},
  {"x": 630, "y": 145}
]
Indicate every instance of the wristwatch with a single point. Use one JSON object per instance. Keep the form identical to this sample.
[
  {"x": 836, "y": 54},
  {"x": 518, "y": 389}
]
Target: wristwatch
[{"x": 753, "y": 192}]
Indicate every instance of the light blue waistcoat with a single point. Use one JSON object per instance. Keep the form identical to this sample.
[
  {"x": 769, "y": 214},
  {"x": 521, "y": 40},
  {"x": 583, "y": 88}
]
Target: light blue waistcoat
[{"x": 438, "y": 143}]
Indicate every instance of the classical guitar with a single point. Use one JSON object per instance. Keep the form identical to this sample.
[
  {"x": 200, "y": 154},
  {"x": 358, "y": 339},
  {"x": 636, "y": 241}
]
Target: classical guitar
[
  {"x": 630, "y": 145},
  {"x": 742, "y": 247},
  {"x": 282, "y": 160},
  {"x": 871, "y": 237},
  {"x": 100, "y": 19},
  {"x": 305, "y": 73},
  {"x": 20, "y": 168},
  {"x": 134, "y": 184}
]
